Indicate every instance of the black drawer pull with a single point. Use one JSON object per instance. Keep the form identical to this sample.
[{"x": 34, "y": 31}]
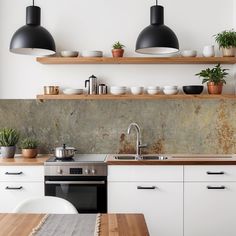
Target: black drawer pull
[
  {"x": 14, "y": 173},
  {"x": 214, "y": 187},
  {"x": 215, "y": 173},
  {"x": 151, "y": 187},
  {"x": 14, "y": 188}
]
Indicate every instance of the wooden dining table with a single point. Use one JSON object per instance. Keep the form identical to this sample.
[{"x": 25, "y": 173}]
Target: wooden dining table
[{"x": 111, "y": 224}]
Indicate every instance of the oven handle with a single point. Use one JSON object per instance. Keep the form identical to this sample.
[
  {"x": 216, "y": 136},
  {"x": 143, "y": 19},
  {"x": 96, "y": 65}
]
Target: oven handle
[{"x": 75, "y": 182}]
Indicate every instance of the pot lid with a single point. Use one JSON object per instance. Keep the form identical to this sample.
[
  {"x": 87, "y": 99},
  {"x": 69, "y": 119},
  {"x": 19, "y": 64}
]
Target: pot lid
[{"x": 64, "y": 147}]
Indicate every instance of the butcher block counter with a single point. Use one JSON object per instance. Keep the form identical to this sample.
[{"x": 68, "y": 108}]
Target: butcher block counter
[
  {"x": 172, "y": 159},
  {"x": 21, "y": 161}
]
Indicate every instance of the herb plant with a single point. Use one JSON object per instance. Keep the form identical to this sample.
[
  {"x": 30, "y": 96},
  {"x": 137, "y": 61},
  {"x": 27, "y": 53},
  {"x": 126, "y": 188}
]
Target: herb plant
[
  {"x": 8, "y": 137},
  {"x": 118, "y": 45},
  {"x": 29, "y": 143},
  {"x": 226, "y": 38},
  {"x": 216, "y": 75}
]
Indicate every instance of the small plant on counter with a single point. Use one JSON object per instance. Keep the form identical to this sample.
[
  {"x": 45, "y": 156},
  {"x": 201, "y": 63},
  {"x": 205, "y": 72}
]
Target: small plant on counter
[
  {"x": 227, "y": 42},
  {"x": 118, "y": 49},
  {"x": 29, "y": 147},
  {"x": 8, "y": 139},
  {"x": 215, "y": 78}
]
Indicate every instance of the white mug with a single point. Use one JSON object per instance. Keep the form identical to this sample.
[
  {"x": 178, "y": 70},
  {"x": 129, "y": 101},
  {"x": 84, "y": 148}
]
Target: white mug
[{"x": 209, "y": 51}]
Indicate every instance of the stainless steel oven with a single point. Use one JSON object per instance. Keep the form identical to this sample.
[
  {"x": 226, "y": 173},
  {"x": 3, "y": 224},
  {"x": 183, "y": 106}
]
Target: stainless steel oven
[{"x": 84, "y": 184}]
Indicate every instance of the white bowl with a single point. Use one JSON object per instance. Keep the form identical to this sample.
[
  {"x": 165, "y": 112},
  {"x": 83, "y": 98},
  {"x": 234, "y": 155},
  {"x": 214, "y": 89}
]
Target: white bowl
[
  {"x": 71, "y": 91},
  {"x": 173, "y": 87},
  {"x": 153, "y": 91},
  {"x": 136, "y": 90},
  {"x": 117, "y": 92},
  {"x": 189, "y": 53},
  {"x": 92, "y": 54},
  {"x": 69, "y": 53},
  {"x": 170, "y": 91}
]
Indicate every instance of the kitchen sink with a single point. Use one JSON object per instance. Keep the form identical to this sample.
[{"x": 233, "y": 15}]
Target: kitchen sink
[{"x": 145, "y": 157}]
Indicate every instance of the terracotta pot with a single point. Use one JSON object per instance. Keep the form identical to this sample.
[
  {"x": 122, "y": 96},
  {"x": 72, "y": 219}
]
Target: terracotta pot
[
  {"x": 117, "y": 52},
  {"x": 214, "y": 88},
  {"x": 29, "y": 153},
  {"x": 228, "y": 52}
]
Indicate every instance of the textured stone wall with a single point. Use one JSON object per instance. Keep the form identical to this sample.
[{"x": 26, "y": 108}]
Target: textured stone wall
[{"x": 168, "y": 126}]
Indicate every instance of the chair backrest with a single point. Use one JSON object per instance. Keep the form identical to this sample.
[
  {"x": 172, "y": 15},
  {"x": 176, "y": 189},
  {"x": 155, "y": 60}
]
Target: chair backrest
[{"x": 46, "y": 205}]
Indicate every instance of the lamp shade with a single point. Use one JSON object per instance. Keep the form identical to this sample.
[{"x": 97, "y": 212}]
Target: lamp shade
[
  {"x": 32, "y": 39},
  {"x": 157, "y": 38}
]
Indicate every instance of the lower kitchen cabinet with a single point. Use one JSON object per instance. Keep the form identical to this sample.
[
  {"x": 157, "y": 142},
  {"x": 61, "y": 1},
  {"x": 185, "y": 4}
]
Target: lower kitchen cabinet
[
  {"x": 18, "y": 183},
  {"x": 159, "y": 196}
]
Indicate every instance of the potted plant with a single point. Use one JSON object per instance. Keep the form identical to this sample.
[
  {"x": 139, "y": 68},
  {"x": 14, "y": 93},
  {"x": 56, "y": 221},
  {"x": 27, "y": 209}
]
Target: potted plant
[
  {"x": 118, "y": 50},
  {"x": 8, "y": 140},
  {"x": 227, "y": 42},
  {"x": 214, "y": 78},
  {"x": 29, "y": 147}
]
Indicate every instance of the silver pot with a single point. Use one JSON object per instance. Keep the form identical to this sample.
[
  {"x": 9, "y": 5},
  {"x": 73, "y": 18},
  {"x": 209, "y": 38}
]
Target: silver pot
[{"x": 64, "y": 152}]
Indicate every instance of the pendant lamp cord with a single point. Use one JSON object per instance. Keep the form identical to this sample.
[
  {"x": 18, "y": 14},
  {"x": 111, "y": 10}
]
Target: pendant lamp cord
[
  {"x": 156, "y": 2},
  {"x": 33, "y": 2}
]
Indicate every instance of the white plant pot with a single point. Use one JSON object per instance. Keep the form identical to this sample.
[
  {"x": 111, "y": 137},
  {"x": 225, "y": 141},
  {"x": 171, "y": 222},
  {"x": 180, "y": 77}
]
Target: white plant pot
[{"x": 8, "y": 152}]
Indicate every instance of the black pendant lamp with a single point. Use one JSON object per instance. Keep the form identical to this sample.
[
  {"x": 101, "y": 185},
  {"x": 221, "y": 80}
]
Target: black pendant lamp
[
  {"x": 33, "y": 39},
  {"x": 157, "y": 38}
]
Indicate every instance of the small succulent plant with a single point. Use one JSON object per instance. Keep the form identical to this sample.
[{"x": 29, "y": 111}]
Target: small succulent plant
[
  {"x": 29, "y": 143},
  {"x": 118, "y": 45},
  {"x": 8, "y": 137}
]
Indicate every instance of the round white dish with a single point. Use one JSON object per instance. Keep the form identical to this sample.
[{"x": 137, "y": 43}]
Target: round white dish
[
  {"x": 117, "y": 92},
  {"x": 189, "y": 53},
  {"x": 153, "y": 88},
  {"x": 70, "y": 91},
  {"x": 69, "y": 53},
  {"x": 136, "y": 90},
  {"x": 170, "y": 87},
  {"x": 170, "y": 91},
  {"x": 92, "y": 54},
  {"x": 153, "y": 91}
]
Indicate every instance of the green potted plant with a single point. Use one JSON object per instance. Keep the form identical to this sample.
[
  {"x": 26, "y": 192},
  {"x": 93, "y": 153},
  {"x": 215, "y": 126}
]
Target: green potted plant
[
  {"x": 29, "y": 148},
  {"x": 8, "y": 140},
  {"x": 118, "y": 49},
  {"x": 214, "y": 78},
  {"x": 227, "y": 42}
]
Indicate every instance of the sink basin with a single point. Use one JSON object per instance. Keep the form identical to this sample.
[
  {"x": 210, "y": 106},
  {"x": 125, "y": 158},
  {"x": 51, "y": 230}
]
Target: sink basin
[{"x": 145, "y": 157}]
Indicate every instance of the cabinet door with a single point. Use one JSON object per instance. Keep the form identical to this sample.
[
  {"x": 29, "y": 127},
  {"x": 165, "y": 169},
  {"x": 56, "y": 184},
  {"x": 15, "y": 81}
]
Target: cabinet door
[
  {"x": 12, "y": 193},
  {"x": 161, "y": 203},
  {"x": 209, "y": 209}
]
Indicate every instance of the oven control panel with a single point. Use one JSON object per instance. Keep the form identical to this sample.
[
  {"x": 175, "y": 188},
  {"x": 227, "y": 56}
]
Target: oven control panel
[{"x": 76, "y": 171}]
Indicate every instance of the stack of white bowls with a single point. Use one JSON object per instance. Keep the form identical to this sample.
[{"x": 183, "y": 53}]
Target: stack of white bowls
[
  {"x": 153, "y": 90},
  {"x": 136, "y": 90},
  {"x": 118, "y": 90},
  {"x": 72, "y": 91},
  {"x": 170, "y": 90}
]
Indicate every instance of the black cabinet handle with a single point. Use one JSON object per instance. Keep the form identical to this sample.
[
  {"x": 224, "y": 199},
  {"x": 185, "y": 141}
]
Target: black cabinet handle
[
  {"x": 214, "y": 187},
  {"x": 14, "y": 173},
  {"x": 215, "y": 173},
  {"x": 151, "y": 187},
  {"x": 14, "y": 188}
]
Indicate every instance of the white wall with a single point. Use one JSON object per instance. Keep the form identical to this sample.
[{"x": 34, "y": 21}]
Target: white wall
[{"x": 89, "y": 24}]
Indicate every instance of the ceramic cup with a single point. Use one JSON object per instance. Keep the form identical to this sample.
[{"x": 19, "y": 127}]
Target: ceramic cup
[{"x": 209, "y": 51}]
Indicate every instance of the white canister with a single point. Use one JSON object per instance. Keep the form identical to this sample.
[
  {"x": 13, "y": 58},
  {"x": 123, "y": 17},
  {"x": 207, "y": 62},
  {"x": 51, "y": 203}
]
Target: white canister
[{"x": 209, "y": 51}]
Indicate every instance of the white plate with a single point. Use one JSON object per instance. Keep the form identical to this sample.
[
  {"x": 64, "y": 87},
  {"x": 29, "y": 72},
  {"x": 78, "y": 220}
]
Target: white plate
[
  {"x": 92, "y": 54},
  {"x": 69, "y": 53},
  {"x": 73, "y": 91}
]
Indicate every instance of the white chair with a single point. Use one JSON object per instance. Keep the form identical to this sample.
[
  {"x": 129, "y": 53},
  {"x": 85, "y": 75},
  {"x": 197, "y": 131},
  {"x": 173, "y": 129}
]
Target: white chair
[{"x": 46, "y": 205}]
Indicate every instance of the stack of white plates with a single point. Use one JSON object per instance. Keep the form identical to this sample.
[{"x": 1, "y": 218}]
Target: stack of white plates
[
  {"x": 71, "y": 91},
  {"x": 92, "y": 54},
  {"x": 118, "y": 90},
  {"x": 69, "y": 53}
]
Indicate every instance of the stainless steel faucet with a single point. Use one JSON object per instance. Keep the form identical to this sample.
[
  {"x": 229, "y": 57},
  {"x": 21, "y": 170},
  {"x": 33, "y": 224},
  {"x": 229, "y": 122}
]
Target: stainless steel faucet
[{"x": 139, "y": 144}]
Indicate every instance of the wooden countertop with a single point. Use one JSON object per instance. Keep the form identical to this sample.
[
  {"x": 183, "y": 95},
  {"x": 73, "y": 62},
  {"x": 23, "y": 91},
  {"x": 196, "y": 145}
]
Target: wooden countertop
[
  {"x": 177, "y": 159},
  {"x": 21, "y": 161},
  {"x": 111, "y": 224}
]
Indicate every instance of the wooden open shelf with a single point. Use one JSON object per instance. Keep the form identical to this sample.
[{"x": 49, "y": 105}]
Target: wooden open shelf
[
  {"x": 137, "y": 60},
  {"x": 132, "y": 97}
]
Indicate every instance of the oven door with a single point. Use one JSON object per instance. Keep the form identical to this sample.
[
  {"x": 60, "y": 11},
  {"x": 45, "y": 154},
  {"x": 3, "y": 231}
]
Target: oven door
[{"x": 87, "y": 194}]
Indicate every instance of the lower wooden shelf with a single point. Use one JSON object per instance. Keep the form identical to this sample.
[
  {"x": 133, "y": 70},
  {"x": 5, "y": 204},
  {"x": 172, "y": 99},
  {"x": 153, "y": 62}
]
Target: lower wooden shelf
[{"x": 133, "y": 97}]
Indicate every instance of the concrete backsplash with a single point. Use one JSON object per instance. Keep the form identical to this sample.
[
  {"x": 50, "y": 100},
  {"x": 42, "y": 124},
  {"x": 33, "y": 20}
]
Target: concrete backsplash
[{"x": 168, "y": 126}]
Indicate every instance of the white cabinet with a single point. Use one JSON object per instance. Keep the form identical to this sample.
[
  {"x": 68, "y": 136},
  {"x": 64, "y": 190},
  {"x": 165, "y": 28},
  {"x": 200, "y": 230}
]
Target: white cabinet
[
  {"x": 209, "y": 200},
  {"x": 155, "y": 191},
  {"x": 18, "y": 183}
]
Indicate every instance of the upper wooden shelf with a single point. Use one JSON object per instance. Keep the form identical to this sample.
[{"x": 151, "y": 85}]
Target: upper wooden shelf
[
  {"x": 133, "y": 97},
  {"x": 137, "y": 60}
]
